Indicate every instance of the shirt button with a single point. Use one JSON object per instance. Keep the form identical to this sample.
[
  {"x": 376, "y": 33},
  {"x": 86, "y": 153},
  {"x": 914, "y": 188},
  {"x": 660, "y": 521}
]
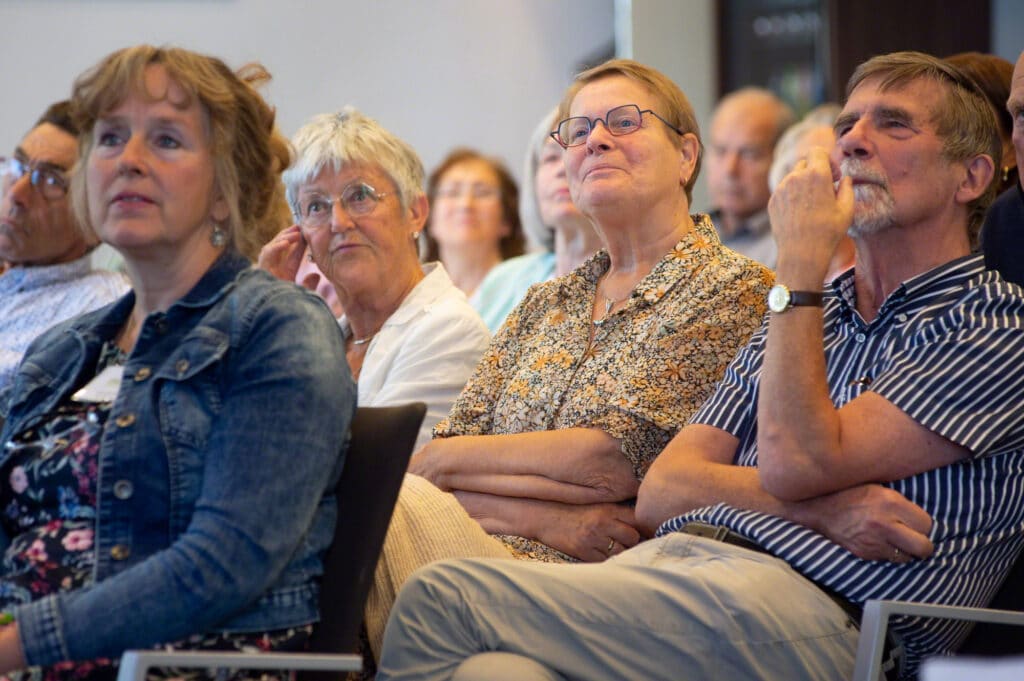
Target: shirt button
[
  {"x": 123, "y": 489},
  {"x": 181, "y": 366},
  {"x": 142, "y": 374},
  {"x": 120, "y": 552},
  {"x": 125, "y": 420},
  {"x": 860, "y": 338},
  {"x": 901, "y": 318}
]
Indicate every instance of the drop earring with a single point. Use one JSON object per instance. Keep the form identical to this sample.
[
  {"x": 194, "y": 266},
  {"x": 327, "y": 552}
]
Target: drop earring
[{"x": 218, "y": 237}]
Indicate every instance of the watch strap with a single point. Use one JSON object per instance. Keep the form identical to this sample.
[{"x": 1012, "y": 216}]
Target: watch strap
[{"x": 806, "y": 298}]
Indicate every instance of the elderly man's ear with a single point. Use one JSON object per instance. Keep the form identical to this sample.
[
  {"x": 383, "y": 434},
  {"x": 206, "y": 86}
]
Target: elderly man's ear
[{"x": 979, "y": 173}]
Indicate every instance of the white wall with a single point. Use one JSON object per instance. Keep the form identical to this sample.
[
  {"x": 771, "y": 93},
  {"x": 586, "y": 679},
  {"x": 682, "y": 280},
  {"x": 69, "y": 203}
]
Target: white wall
[
  {"x": 438, "y": 73},
  {"x": 679, "y": 39}
]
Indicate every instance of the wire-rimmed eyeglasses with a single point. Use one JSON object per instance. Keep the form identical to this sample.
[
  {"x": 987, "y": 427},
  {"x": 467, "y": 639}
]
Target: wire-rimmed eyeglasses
[
  {"x": 48, "y": 180},
  {"x": 622, "y": 120},
  {"x": 358, "y": 199}
]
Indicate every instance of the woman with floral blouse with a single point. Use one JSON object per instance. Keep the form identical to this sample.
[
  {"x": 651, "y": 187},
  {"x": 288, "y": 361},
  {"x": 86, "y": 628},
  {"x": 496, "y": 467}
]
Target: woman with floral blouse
[{"x": 594, "y": 372}]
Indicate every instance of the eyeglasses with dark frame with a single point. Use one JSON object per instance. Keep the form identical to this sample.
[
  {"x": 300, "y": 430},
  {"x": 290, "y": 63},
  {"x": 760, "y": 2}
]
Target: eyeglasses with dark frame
[
  {"x": 358, "y": 199},
  {"x": 622, "y": 120},
  {"x": 50, "y": 181}
]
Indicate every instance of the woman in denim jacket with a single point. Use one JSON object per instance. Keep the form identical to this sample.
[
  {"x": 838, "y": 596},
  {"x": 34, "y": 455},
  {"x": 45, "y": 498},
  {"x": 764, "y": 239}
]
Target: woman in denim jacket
[{"x": 165, "y": 477}]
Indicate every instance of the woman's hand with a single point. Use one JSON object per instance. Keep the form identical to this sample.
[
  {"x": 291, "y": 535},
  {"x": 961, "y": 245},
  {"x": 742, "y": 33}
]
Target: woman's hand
[
  {"x": 283, "y": 255},
  {"x": 592, "y": 532},
  {"x": 426, "y": 461}
]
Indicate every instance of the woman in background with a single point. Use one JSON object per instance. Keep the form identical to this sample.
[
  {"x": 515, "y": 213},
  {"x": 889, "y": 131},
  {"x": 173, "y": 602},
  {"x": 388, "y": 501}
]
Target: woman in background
[
  {"x": 356, "y": 192},
  {"x": 562, "y": 236},
  {"x": 474, "y": 220},
  {"x": 993, "y": 75},
  {"x": 192, "y": 395}
]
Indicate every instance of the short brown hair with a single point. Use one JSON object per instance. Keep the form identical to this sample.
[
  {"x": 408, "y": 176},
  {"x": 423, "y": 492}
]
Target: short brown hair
[
  {"x": 59, "y": 114},
  {"x": 677, "y": 108},
  {"x": 511, "y": 245},
  {"x": 247, "y": 150},
  {"x": 965, "y": 122}
]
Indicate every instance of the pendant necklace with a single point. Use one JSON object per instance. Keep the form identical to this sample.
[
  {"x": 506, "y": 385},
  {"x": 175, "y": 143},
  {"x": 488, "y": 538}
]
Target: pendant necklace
[{"x": 609, "y": 303}]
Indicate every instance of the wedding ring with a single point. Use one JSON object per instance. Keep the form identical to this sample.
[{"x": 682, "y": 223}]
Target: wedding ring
[
  {"x": 896, "y": 554},
  {"x": 611, "y": 547}
]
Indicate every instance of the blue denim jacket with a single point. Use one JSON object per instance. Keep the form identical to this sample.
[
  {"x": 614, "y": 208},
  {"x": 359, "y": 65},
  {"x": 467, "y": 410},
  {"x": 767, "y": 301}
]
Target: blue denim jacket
[{"x": 216, "y": 465}]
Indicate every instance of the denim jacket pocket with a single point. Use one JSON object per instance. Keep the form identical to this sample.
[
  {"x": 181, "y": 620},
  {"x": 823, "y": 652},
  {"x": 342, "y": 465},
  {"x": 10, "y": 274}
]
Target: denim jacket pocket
[{"x": 190, "y": 389}]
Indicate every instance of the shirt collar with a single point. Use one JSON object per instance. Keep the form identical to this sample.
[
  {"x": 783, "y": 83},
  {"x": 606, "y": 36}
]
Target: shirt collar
[
  {"x": 952, "y": 274},
  {"x": 215, "y": 282},
  {"x": 696, "y": 249},
  {"x": 42, "y": 275}
]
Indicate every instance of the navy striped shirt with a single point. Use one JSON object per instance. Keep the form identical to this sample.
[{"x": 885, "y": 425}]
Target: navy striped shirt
[{"x": 946, "y": 348}]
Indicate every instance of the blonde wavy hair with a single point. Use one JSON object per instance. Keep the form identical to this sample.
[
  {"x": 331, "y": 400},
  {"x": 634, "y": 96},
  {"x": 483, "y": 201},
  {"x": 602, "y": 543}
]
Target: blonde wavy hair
[{"x": 248, "y": 151}]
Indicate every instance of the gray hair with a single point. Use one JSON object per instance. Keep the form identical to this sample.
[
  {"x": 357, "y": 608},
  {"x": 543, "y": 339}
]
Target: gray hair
[
  {"x": 783, "y": 160},
  {"x": 349, "y": 137},
  {"x": 539, "y": 235}
]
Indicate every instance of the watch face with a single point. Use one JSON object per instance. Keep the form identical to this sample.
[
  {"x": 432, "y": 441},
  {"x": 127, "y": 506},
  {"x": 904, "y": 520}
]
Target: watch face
[{"x": 778, "y": 298}]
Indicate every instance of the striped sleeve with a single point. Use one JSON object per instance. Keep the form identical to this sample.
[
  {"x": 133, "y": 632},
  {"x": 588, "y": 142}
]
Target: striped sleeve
[{"x": 961, "y": 376}]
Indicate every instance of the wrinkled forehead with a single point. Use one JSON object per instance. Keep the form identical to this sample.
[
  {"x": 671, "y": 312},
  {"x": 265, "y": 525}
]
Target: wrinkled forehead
[
  {"x": 919, "y": 100},
  {"x": 47, "y": 144}
]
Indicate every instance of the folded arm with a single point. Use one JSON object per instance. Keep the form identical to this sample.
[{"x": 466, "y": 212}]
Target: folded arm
[
  {"x": 573, "y": 466},
  {"x": 695, "y": 470},
  {"x": 584, "y": 531}
]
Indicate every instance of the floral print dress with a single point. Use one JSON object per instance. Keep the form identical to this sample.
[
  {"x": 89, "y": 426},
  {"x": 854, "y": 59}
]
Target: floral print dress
[{"x": 48, "y": 508}]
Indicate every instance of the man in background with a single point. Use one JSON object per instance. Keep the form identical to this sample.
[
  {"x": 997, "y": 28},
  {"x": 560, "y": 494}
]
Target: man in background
[
  {"x": 744, "y": 128},
  {"x": 49, "y": 277}
]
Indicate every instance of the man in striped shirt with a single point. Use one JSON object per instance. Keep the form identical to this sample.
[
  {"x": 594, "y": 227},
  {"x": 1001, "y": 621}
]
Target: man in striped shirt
[{"x": 866, "y": 444}]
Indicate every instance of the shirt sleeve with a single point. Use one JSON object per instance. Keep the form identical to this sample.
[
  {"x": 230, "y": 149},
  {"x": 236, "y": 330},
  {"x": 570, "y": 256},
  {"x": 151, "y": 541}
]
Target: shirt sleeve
[
  {"x": 961, "y": 377},
  {"x": 435, "y": 361}
]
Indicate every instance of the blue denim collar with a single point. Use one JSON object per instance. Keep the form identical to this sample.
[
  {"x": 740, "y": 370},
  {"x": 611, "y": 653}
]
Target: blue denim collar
[{"x": 210, "y": 288}]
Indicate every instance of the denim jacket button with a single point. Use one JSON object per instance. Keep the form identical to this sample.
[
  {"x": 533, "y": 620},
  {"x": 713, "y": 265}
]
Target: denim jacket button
[
  {"x": 120, "y": 552},
  {"x": 125, "y": 420},
  {"x": 181, "y": 366},
  {"x": 123, "y": 489},
  {"x": 142, "y": 374}
]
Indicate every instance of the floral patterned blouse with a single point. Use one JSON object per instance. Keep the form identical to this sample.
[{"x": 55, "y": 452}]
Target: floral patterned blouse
[{"x": 649, "y": 367}]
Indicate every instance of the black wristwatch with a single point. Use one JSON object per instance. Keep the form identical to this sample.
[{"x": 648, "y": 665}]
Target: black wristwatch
[{"x": 780, "y": 298}]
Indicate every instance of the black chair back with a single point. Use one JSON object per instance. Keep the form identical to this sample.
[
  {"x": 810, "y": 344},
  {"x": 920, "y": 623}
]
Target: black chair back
[{"x": 378, "y": 455}]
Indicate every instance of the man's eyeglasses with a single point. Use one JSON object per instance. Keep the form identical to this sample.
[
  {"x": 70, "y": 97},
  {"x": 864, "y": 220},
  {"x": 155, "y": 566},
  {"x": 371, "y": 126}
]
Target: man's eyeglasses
[
  {"x": 622, "y": 120},
  {"x": 51, "y": 182},
  {"x": 358, "y": 199}
]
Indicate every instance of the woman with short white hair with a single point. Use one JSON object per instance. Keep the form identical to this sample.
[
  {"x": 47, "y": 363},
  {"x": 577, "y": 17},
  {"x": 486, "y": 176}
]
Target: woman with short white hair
[{"x": 356, "y": 192}]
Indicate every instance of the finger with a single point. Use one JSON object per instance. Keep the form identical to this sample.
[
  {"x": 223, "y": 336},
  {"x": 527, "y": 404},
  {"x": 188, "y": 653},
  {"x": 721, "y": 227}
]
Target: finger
[
  {"x": 911, "y": 543},
  {"x": 913, "y": 516},
  {"x": 625, "y": 535},
  {"x": 844, "y": 199}
]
